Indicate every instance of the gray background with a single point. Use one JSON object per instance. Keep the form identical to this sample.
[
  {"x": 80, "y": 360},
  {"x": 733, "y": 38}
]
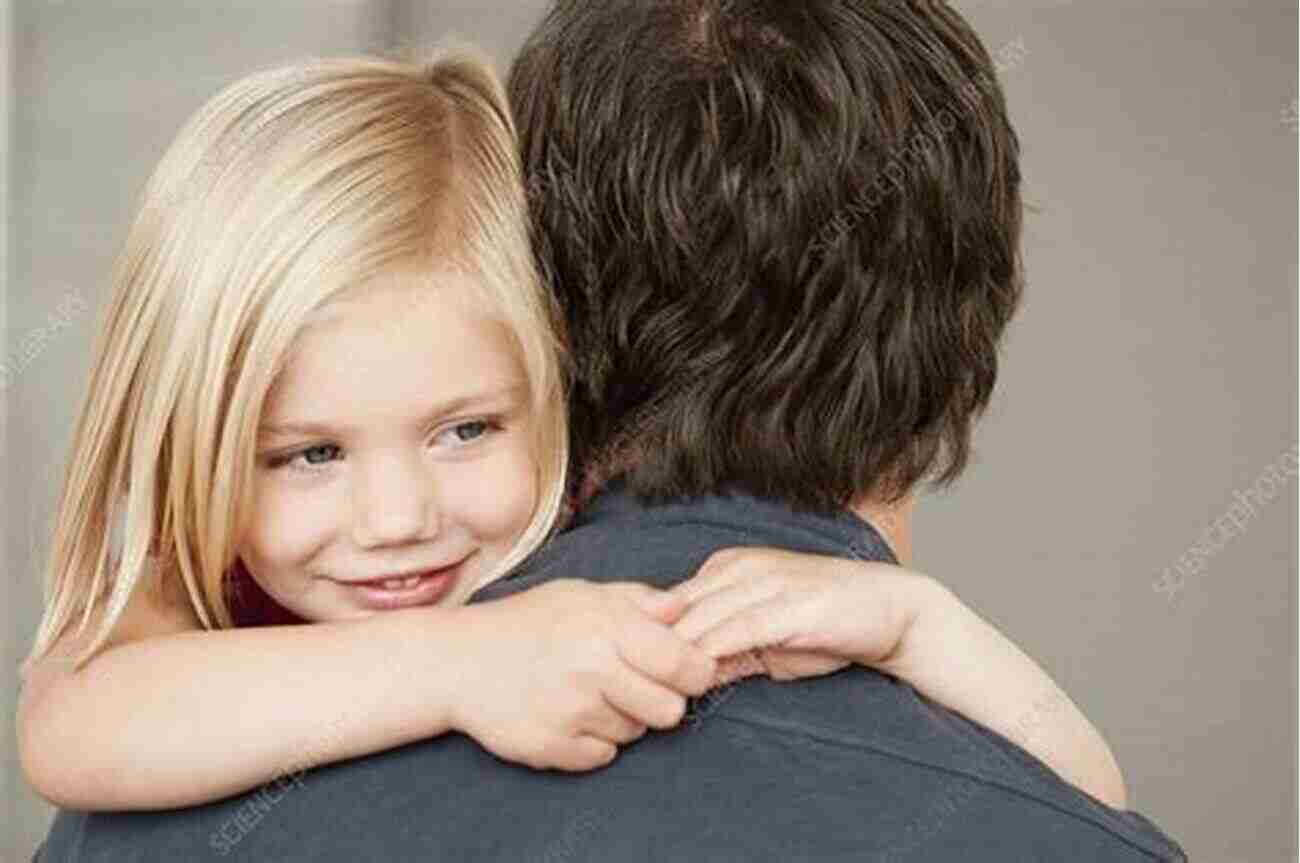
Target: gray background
[{"x": 1151, "y": 375}]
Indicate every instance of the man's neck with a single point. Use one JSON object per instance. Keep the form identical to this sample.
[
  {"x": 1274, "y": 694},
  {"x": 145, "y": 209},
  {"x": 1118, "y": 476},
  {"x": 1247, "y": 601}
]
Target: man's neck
[{"x": 891, "y": 521}]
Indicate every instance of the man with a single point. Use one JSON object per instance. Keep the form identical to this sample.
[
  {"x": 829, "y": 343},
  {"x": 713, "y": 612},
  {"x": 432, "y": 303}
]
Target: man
[{"x": 785, "y": 239}]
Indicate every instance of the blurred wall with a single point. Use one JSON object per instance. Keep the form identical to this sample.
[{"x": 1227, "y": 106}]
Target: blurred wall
[
  {"x": 9, "y": 583},
  {"x": 1149, "y": 381},
  {"x": 1148, "y": 386}
]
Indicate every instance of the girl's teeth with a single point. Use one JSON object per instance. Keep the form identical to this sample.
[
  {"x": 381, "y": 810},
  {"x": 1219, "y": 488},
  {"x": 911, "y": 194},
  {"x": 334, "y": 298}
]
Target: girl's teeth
[{"x": 400, "y": 583}]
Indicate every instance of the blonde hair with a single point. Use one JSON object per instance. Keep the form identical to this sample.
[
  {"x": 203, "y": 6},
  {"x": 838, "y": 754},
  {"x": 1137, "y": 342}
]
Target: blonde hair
[{"x": 286, "y": 189}]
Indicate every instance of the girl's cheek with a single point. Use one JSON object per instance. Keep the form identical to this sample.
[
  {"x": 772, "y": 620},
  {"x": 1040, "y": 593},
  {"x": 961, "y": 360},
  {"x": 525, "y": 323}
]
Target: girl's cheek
[
  {"x": 525, "y": 499},
  {"x": 523, "y": 486},
  {"x": 290, "y": 524},
  {"x": 497, "y": 500}
]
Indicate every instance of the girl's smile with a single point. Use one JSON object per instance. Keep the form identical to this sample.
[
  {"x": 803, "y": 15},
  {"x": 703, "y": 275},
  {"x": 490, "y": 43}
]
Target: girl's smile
[{"x": 421, "y": 588}]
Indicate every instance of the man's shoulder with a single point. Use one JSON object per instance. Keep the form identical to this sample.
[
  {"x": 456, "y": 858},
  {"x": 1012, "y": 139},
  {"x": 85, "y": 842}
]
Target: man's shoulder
[
  {"x": 984, "y": 782},
  {"x": 623, "y": 539}
]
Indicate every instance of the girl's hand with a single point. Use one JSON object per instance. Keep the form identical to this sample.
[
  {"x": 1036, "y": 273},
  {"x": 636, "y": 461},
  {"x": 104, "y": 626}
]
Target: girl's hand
[
  {"x": 801, "y": 615},
  {"x": 798, "y": 615},
  {"x": 566, "y": 672}
]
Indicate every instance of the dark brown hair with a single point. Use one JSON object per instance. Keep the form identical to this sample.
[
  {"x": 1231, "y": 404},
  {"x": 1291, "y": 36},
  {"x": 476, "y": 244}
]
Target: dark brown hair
[{"x": 785, "y": 236}]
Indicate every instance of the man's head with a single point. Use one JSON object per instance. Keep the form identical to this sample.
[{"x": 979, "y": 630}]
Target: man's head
[{"x": 785, "y": 236}]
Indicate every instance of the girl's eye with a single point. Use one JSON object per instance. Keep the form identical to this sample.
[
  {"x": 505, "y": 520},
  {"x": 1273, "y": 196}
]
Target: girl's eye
[
  {"x": 467, "y": 432},
  {"x": 325, "y": 450},
  {"x": 311, "y": 457}
]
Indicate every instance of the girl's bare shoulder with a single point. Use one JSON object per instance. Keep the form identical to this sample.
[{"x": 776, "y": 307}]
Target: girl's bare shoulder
[{"x": 158, "y": 606}]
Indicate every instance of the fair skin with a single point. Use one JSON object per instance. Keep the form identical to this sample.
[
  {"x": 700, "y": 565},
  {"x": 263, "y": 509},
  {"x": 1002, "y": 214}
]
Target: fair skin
[
  {"x": 425, "y": 470},
  {"x": 384, "y": 451}
]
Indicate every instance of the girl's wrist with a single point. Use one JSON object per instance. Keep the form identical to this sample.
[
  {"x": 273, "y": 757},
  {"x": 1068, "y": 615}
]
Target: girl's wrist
[
  {"x": 430, "y": 651},
  {"x": 930, "y": 615}
]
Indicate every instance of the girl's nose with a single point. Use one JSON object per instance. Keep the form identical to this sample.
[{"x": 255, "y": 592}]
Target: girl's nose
[{"x": 393, "y": 504}]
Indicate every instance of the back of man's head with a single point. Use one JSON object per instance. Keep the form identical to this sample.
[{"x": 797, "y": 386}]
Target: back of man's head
[{"x": 785, "y": 236}]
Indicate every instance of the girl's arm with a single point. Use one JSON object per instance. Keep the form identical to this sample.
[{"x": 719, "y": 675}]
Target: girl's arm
[
  {"x": 807, "y": 615},
  {"x": 169, "y": 715},
  {"x": 954, "y": 656}
]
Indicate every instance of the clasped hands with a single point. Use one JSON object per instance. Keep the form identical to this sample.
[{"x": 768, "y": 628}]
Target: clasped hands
[{"x": 571, "y": 670}]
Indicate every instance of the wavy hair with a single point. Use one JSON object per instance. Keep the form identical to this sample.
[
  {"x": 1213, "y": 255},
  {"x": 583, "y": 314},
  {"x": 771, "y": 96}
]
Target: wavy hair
[{"x": 784, "y": 235}]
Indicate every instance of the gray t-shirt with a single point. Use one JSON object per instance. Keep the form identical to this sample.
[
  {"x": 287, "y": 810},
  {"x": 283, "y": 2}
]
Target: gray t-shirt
[{"x": 853, "y": 766}]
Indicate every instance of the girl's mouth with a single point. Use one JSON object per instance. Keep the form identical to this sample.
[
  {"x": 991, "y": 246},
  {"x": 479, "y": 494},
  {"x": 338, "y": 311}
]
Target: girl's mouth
[{"x": 387, "y": 594}]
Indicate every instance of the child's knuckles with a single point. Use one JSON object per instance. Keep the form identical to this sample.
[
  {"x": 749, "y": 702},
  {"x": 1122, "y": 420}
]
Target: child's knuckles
[
  {"x": 584, "y": 694},
  {"x": 684, "y": 668},
  {"x": 593, "y": 655},
  {"x": 592, "y": 711},
  {"x": 671, "y": 659}
]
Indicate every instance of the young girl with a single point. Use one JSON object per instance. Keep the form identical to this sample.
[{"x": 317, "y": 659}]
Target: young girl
[{"x": 329, "y": 385}]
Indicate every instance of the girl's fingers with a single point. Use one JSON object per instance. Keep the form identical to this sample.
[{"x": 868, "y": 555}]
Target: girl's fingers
[
  {"x": 763, "y": 624},
  {"x": 662, "y": 605},
  {"x": 587, "y": 753},
  {"x": 789, "y": 664},
  {"x": 722, "y": 569},
  {"x": 657, "y": 652},
  {"x": 614, "y": 726},
  {"x": 693, "y": 589},
  {"x": 646, "y": 701},
  {"x": 712, "y": 609}
]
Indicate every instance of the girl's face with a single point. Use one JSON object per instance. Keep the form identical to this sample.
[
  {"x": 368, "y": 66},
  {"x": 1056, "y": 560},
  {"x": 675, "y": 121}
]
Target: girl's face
[{"x": 395, "y": 444}]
